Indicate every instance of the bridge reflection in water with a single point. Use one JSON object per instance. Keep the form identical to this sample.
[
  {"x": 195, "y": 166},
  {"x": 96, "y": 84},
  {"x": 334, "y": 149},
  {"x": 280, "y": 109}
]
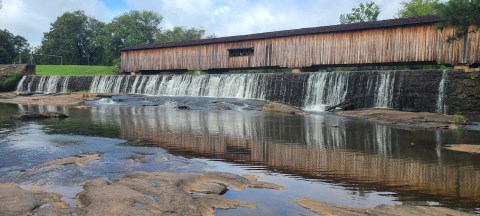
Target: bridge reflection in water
[{"x": 312, "y": 147}]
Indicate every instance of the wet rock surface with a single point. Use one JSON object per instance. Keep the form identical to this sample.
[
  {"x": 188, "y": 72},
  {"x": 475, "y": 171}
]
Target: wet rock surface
[
  {"x": 16, "y": 201},
  {"x": 401, "y": 119},
  {"x": 138, "y": 193},
  {"x": 323, "y": 208},
  {"x": 282, "y": 108},
  {"x": 164, "y": 193}
]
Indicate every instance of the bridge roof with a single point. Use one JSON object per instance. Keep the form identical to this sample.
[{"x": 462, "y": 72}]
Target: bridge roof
[{"x": 295, "y": 32}]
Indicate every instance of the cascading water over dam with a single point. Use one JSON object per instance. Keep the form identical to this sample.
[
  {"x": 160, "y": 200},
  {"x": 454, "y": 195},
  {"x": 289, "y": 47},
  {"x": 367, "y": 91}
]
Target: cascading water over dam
[{"x": 310, "y": 91}]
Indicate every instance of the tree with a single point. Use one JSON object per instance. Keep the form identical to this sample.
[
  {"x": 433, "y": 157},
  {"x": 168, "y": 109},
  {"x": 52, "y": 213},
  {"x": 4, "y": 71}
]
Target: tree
[
  {"x": 418, "y": 8},
  {"x": 181, "y": 34},
  {"x": 363, "y": 13},
  {"x": 132, "y": 28},
  {"x": 73, "y": 36},
  {"x": 12, "y": 47},
  {"x": 463, "y": 16}
]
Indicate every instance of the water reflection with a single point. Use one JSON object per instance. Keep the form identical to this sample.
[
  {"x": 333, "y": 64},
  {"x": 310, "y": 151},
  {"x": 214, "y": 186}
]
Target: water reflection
[
  {"x": 317, "y": 147},
  {"x": 322, "y": 147}
]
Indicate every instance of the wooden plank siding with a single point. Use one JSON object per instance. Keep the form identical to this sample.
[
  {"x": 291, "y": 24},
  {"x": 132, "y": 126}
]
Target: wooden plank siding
[{"x": 399, "y": 44}]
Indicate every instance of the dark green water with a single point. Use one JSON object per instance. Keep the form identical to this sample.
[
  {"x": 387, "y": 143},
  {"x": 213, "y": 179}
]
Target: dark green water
[{"x": 322, "y": 156}]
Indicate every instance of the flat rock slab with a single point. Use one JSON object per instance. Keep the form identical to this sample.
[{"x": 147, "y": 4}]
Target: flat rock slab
[
  {"x": 61, "y": 99},
  {"x": 323, "y": 208},
  {"x": 16, "y": 201},
  {"x": 282, "y": 108},
  {"x": 402, "y": 119},
  {"x": 468, "y": 148},
  {"x": 165, "y": 193},
  {"x": 139, "y": 193}
]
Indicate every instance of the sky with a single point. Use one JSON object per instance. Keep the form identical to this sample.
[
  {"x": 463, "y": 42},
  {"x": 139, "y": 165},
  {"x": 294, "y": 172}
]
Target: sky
[{"x": 32, "y": 18}]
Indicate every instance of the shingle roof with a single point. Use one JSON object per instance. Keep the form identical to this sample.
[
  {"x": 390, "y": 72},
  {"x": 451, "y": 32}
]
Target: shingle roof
[{"x": 295, "y": 32}]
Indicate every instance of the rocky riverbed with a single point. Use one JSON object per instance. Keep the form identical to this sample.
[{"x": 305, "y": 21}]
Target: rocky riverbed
[{"x": 422, "y": 120}]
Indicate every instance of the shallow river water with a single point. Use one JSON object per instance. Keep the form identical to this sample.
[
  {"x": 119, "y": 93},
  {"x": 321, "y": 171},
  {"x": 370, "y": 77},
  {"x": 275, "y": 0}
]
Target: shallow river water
[{"x": 320, "y": 156}]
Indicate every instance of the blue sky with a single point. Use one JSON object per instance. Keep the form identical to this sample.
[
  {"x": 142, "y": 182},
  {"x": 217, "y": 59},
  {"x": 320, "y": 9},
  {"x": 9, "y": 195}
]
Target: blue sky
[
  {"x": 115, "y": 4},
  {"x": 31, "y": 18}
]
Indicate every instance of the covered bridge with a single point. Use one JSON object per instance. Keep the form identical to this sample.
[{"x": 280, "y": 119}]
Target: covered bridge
[{"x": 396, "y": 41}]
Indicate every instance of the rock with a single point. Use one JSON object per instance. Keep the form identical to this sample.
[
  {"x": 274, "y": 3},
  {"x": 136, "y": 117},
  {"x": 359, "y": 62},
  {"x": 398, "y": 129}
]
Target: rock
[
  {"x": 54, "y": 115},
  {"x": 16, "y": 201},
  {"x": 82, "y": 160},
  {"x": 164, "y": 193},
  {"x": 468, "y": 148},
  {"x": 324, "y": 208},
  {"x": 24, "y": 94},
  {"x": 406, "y": 119},
  {"x": 183, "y": 107},
  {"x": 44, "y": 115},
  {"x": 282, "y": 108}
]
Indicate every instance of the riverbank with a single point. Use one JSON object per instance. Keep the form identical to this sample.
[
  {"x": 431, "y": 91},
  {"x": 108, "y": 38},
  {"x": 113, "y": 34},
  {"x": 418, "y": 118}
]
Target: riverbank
[
  {"x": 56, "y": 99},
  {"x": 408, "y": 120}
]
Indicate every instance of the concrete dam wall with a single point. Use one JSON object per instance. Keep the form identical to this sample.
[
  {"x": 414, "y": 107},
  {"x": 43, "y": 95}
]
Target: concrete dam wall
[{"x": 441, "y": 91}]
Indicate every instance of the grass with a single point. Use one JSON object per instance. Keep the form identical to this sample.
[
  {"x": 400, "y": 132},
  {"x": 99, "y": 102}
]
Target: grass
[{"x": 74, "y": 70}]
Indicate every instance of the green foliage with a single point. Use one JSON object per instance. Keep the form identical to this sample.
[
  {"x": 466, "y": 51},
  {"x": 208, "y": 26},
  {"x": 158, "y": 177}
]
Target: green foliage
[
  {"x": 181, "y": 34},
  {"x": 12, "y": 47},
  {"x": 363, "y": 13},
  {"x": 459, "y": 14},
  {"x": 459, "y": 119},
  {"x": 82, "y": 40},
  {"x": 414, "y": 8},
  {"x": 74, "y": 36},
  {"x": 117, "y": 65},
  {"x": 11, "y": 82},
  {"x": 128, "y": 29},
  {"x": 73, "y": 70}
]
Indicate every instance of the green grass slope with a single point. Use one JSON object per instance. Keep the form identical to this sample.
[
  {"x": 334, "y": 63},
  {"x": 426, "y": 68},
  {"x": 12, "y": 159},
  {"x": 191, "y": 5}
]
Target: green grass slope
[{"x": 74, "y": 70}]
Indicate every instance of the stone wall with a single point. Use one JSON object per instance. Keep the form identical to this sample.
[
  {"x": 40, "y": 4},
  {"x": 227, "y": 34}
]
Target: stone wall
[
  {"x": 9, "y": 70},
  {"x": 463, "y": 92}
]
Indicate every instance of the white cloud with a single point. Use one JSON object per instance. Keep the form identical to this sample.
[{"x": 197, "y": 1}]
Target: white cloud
[{"x": 31, "y": 18}]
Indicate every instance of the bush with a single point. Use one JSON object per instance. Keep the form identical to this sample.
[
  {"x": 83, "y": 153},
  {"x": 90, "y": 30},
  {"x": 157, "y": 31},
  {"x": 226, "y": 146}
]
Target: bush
[
  {"x": 11, "y": 82},
  {"x": 460, "y": 119}
]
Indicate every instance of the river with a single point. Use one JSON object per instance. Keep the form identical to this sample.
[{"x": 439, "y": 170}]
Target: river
[{"x": 320, "y": 156}]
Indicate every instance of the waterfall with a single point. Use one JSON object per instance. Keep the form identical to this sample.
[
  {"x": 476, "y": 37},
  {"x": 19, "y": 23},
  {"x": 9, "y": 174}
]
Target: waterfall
[
  {"x": 385, "y": 89},
  {"x": 20, "y": 84},
  {"x": 441, "y": 107},
  {"x": 250, "y": 86},
  {"x": 44, "y": 84},
  {"x": 325, "y": 89},
  {"x": 311, "y": 91}
]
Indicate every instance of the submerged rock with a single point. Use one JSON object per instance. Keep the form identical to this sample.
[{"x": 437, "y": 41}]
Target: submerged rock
[
  {"x": 81, "y": 161},
  {"x": 323, "y": 208},
  {"x": 164, "y": 193},
  {"x": 282, "y": 108},
  {"x": 44, "y": 115}
]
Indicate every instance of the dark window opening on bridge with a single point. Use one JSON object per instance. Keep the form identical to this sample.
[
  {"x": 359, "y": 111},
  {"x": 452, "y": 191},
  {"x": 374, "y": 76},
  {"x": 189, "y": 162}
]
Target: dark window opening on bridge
[{"x": 236, "y": 52}]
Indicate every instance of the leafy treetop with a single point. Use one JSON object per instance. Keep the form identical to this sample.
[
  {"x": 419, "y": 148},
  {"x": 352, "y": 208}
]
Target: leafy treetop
[
  {"x": 414, "y": 8},
  {"x": 363, "y": 13}
]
